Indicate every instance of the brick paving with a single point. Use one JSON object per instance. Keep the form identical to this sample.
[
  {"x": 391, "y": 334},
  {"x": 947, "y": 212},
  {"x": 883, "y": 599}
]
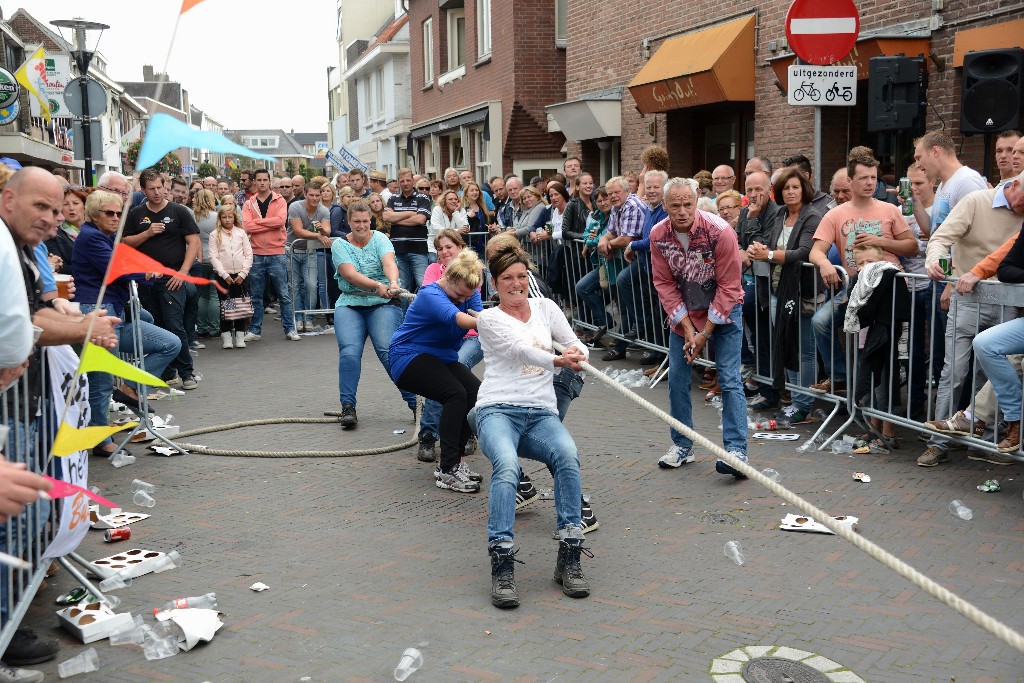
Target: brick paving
[{"x": 365, "y": 557}]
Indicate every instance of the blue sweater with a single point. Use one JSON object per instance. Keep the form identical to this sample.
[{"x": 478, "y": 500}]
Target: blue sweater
[
  {"x": 429, "y": 327},
  {"x": 654, "y": 216},
  {"x": 89, "y": 259}
]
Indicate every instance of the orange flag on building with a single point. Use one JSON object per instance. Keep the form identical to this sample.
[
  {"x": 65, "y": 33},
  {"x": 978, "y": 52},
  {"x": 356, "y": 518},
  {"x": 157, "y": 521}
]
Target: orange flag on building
[
  {"x": 186, "y": 5},
  {"x": 129, "y": 261}
]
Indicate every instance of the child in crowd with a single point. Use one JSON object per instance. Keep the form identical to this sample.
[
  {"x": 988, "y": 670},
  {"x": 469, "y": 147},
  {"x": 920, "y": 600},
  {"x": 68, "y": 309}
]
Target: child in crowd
[{"x": 231, "y": 258}]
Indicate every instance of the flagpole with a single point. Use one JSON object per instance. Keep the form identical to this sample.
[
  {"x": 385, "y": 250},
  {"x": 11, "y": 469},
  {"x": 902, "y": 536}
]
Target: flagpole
[{"x": 120, "y": 228}]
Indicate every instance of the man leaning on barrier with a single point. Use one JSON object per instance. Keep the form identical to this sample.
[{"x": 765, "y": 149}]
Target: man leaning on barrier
[{"x": 978, "y": 225}]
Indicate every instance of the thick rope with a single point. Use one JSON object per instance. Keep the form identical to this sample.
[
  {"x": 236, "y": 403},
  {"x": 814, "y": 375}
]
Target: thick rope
[
  {"x": 990, "y": 624},
  {"x": 195, "y": 448}
]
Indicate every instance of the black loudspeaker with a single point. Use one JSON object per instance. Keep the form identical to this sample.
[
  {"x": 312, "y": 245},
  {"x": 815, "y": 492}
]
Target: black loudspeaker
[
  {"x": 992, "y": 90},
  {"x": 896, "y": 90}
]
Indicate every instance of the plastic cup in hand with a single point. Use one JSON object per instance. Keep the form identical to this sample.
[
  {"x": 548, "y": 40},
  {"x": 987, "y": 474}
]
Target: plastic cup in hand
[
  {"x": 79, "y": 664},
  {"x": 771, "y": 474},
  {"x": 958, "y": 508},
  {"x": 734, "y": 552},
  {"x": 139, "y": 485},
  {"x": 168, "y": 561},
  {"x": 144, "y": 499},
  {"x": 412, "y": 659},
  {"x": 116, "y": 581}
]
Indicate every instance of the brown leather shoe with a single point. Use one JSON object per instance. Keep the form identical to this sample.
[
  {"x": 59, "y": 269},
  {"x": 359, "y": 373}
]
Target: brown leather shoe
[{"x": 1011, "y": 441}]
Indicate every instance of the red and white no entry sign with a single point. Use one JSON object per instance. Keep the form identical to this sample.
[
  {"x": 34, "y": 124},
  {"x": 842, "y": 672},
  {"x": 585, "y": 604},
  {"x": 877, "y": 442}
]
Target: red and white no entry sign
[{"x": 822, "y": 31}]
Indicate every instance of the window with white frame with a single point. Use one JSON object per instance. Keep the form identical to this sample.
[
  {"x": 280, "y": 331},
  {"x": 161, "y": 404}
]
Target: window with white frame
[
  {"x": 456, "y": 154},
  {"x": 429, "y": 164},
  {"x": 428, "y": 51},
  {"x": 561, "y": 23},
  {"x": 483, "y": 29},
  {"x": 378, "y": 95},
  {"x": 482, "y": 154},
  {"x": 456, "y": 38}
]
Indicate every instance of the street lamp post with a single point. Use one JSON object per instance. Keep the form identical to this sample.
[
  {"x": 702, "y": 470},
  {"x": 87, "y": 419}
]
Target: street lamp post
[{"x": 82, "y": 59}]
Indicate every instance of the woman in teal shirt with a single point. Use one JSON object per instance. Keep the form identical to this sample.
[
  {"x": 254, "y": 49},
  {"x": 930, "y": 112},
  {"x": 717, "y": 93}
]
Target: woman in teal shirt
[{"x": 367, "y": 275}]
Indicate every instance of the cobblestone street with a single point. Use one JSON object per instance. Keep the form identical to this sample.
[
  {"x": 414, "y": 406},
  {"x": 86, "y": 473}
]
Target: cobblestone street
[{"x": 364, "y": 556}]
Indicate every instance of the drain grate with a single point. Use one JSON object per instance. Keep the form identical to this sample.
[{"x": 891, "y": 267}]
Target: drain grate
[
  {"x": 719, "y": 518},
  {"x": 778, "y": 670}
]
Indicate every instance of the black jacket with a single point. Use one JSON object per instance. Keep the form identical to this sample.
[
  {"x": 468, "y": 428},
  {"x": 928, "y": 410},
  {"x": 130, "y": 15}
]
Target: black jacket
[
  {"x": 61, "y": 245},
  {"x": 795, "y": 282},
  {"x": 757, "y": 229},
  {"x": 1012, "y": 267},
  {"x": 885, "y": 312}
]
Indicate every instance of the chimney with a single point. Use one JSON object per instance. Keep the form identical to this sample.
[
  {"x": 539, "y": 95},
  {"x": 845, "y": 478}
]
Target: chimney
[{"x": 147, "y": 73}]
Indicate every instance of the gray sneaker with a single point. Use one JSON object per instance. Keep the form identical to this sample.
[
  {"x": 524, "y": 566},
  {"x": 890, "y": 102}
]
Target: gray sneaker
[
  {"x": 189, "y": 383},
  {"x": 468, "y": 473},
  {"x": 10, "y": 674},
  {"x": 676, "y": 456},
  {"x": 455, "y": 480},
  {"x": 932, "y": 456}
]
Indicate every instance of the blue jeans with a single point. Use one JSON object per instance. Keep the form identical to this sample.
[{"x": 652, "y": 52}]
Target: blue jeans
[
  {"x": 272, "y": 269},
  {"x": 192, "y": 304},
  {"x": 734, "y": 404},
  {"x": 506, "y": 431},
  {"x": 589, "y": 291},
  {"x": 991, "y": 348},
  {"x": 470, "y": 353},
  {"x": 411, "y": 268},
  {"x": 158, "y": 346},
  {"x": 352, "y": 324},
  {"x": 323, "y": 276},
  {"x": 303, "y": 282},
  {"x": 828, "y": 324},
  {"x": 808, "y": 361},
  {"x": 168, "y": 310}
]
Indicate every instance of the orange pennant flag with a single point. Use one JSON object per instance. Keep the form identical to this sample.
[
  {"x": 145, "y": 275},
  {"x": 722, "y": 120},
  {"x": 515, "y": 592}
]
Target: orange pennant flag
[
  {"x": 129, "y": 261},
  {"x": 186, "y": 5}
]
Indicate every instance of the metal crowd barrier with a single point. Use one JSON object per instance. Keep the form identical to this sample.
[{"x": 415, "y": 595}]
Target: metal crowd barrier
[
  {"x": 324, "y": 273},
  {"x": 30, "y": 431},
  {"x": 990, "y": 304}
]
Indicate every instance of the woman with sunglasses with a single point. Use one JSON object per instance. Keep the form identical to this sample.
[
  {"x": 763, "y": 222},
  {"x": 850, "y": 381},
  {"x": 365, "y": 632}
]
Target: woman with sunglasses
[{"x": 94, "y": 247}]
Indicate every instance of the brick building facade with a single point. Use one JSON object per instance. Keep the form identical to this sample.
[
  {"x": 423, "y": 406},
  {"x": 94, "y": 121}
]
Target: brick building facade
[
  {"x": 710, "y": 120},
  {"x": 482, "y": 72}
]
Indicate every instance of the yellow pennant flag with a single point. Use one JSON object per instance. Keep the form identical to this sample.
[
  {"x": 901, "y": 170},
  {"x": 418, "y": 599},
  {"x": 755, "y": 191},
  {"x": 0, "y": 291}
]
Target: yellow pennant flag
[
  {"x": 70, "y": 439},
  {"x": 98, "y": 359},
  {"x": 32, "y": 75}
]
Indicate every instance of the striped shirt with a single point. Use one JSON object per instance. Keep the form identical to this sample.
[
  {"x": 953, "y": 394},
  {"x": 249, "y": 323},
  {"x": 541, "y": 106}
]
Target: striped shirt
[{"x": 410, "y": 239}]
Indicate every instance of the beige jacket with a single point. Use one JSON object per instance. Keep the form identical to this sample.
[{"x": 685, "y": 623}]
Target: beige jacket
[
  {"x": 974, "y": 230},
  {"x": 231, "y": 254}
]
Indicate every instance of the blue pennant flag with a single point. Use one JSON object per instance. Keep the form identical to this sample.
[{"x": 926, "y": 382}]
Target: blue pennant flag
[{"x": 165, "y": 133}]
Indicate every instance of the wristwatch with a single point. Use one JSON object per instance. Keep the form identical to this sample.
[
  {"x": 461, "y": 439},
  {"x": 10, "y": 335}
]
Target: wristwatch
[{"x": 771, "y": 255}]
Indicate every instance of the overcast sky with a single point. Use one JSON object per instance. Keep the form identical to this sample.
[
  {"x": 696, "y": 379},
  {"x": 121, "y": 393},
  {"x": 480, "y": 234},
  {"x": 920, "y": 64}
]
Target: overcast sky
[{"x": 248, "y": 64}]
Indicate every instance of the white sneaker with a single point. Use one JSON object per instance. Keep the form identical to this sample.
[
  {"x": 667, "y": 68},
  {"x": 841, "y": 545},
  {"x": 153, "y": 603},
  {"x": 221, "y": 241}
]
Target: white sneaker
[
  {"x": 252, "y": 336},
  {"x": 240, "y": 340},
  {"x": 225, "y": 338},
  {"x": 676, "y": 456},
  {"x": 293, "y": 336},
  {"x": 11, "y": 674}
]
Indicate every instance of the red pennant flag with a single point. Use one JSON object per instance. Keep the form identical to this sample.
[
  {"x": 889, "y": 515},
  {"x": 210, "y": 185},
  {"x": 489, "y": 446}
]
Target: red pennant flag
[
  {"x": 186, "y": 5},
  {"x": 129, "y": 261}
]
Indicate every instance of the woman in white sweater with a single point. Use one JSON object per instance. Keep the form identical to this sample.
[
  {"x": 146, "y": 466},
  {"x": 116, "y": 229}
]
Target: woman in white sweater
[
  {"x": 448, "y": 213},
  {"x": 231, "y": 258},
  {"x": 516, "y": 413}
]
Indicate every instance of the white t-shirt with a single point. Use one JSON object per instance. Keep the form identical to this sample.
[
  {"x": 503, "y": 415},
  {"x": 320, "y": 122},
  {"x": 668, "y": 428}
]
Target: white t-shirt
[
  {"x": 965, "y": 181},
  {"x": 915, "y": 264},
  {"x": 15, "y": 322},
  {"x": 519, "y": 356}
]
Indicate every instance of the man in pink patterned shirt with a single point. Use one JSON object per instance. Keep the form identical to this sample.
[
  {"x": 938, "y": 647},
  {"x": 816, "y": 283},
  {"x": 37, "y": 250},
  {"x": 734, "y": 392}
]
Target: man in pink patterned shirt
[{"x": 697, "y": 273}]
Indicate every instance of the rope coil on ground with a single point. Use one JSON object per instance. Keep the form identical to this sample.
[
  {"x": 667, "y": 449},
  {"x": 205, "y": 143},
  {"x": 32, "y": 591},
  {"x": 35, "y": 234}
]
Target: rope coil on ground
[
  {"x": 968, "y": 610},
  {"x": 195, "y": 448}
]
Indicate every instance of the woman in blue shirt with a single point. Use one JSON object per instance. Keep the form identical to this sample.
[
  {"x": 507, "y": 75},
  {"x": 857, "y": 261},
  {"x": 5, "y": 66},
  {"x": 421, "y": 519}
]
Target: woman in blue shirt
[{"x": 424, "y": 358}]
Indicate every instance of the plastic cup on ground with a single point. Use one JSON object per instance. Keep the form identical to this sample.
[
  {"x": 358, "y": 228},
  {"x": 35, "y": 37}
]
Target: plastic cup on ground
[
  {"x": 139, "y": 485},
  {"x": 144, "y": 499},
  {"x": 79, "y": 664},
  {"x": 168, "y": 561},
  {"x": 734, "y": 552},
  {"x": 114, "y": 582},
  {"x": 771, "y": 474},
  {"x": 121, "y": 459},
  {"x": 412, "y": 659},
  {"x": 958, "y": 508}
]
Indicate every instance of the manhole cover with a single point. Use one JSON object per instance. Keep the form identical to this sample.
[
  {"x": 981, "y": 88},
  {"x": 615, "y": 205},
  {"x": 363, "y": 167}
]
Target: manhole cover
[
  {"x": 777, "y": 670},
  {"x": 719, "y": 518}
]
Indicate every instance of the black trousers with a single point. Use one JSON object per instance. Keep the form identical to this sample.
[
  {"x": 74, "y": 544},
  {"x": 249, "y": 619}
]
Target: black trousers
[{"x": 454, "y": 386}]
